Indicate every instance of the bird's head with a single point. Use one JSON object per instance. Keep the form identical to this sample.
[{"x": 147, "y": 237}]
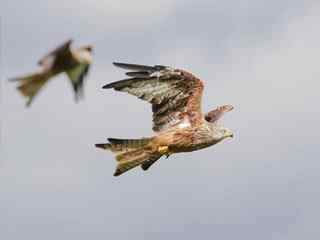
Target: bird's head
[
  {"x": 84, "y": 54},
  {"x": 88, "y": 48},
  {"x": 221, "y": 132},
  {"x": 213, "y": 116}
]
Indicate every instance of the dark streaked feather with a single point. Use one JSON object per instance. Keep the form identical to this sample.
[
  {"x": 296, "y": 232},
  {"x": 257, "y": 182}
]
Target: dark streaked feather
[
  {"x": 141, "y": 74},
  {"x": 130, "y": 152},
  {"x": 130, "y": 143},
  {"x": 133, "y": 161},
  {"x": 122, "y": 83},
  {"x": 174, "y": 94}
]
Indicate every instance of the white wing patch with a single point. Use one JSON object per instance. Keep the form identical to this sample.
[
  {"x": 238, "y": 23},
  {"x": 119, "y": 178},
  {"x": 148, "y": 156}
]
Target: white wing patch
[{"x": 184, "y": 124}]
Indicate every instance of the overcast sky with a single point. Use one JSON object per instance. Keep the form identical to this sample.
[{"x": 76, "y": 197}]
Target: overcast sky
[{"x": 261, "y": 56}]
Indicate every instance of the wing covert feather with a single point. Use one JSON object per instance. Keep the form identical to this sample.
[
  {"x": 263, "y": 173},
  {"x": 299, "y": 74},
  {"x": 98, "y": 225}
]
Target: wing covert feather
[
  {"x": 51, "y": 58},
  {"x": 175, "y": 94}
]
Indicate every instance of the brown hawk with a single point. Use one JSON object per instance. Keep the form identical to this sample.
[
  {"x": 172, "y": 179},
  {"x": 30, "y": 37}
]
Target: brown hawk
[
  {"x": 178, "y": 121},
  {"x": 75, "y": 63}
]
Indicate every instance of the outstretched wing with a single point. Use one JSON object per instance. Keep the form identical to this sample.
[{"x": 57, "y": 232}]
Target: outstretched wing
[
  {"x": 175, "y": 94},
  {"x": 77, "y": 75},
  {"x": 214, "y": 115},
  {"x": 57, "y": 56}
]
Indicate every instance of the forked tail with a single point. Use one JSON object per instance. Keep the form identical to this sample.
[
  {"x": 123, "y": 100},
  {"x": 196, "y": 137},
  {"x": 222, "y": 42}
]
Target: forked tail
[
  {"x": 131, "y": 153},
  {"x": 31, "y": 84}
]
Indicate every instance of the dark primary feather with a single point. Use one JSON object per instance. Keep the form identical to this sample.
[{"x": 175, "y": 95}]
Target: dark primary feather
[
  {"x": 125, "y": 82},
  {"x": 138, "y": 67},
  {"x": 173, "y": 93},
  {"x": 141, "y": 74}
]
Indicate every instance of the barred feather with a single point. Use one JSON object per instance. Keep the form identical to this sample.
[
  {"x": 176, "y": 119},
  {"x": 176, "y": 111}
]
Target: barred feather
[
  {"x": 130, "y": 153},
  {"x": 173, "y": 93}
]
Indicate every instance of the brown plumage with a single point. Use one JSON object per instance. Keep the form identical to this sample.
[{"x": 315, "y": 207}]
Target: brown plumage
[
  {"x": 178, "y": 121},
  {"x": 63, "y": 59}
]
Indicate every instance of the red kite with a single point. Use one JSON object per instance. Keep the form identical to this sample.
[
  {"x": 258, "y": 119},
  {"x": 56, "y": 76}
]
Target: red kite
[
  {"x": 178, "y": 122},
  {"x": 75, "y": 63}
]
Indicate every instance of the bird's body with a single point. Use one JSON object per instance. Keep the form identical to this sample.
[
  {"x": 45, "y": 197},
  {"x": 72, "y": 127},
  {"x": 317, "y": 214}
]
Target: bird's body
[
  {"x": 178, "y": 121},
  {"x": 75, "y": 63},
  {"x": 186, "y": 138}
]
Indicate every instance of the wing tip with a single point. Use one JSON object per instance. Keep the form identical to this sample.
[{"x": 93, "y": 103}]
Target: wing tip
[
  {"x": 228, "y": 107},
  {"x": 135, "y": 67},
  {"x": 102, "y": 145},
  {"x": 114, "y": 140},
  {"x": 108, "y": 86},
  {"x": 119, "y": 64},
  {"x": 117, "y": 173}
]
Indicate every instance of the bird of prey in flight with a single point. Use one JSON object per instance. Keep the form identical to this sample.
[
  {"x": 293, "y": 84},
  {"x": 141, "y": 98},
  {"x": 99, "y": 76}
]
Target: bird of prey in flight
[
  {"x": 178, "y": 122},
  {"x": 63, "y": 59}
]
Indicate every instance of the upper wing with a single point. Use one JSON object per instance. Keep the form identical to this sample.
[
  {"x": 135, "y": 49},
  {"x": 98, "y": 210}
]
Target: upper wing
[
  {"x": 175, "y": 94},
  {"x": 214, "y": 115},
  {"x": 61, "y": 52}
]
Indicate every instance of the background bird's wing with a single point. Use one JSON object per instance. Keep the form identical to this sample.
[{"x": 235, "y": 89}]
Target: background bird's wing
[
  {"x": 77, "y": 75},
  {"x": 57, "y": 55},
  {"x": 175, "y": 94}
]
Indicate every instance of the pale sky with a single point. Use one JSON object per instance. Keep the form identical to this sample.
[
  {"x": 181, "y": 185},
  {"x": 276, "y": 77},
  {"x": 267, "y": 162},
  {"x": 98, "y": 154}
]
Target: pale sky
[{"x": 260, "y": 56}]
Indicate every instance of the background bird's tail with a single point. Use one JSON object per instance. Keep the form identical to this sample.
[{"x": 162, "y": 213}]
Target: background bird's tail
[
  {"x": 31, "y": 84},
  {"x": 131, "y": 153}
]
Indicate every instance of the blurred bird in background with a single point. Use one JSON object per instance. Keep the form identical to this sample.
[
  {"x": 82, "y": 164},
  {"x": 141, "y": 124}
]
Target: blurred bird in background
[
  {"x": 178, "y": 121},
  {"x": 63, "y": 59}
]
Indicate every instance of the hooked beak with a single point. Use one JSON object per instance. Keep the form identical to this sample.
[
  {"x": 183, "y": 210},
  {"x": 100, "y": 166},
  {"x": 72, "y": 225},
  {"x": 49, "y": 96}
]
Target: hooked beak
[{"x": 228, "y": 133}]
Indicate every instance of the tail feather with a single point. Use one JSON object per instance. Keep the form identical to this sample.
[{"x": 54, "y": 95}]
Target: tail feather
[
  {"x": 128, "y": 154},
  {"x": 103, "y": 145},
  {"x": 31, "y": 84},
  {"x": 131, "y": 162},
  {"x": 129, "y": 143},
  {"x": 147, "y": 164},
  {"x": 131, "y": 153}
]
